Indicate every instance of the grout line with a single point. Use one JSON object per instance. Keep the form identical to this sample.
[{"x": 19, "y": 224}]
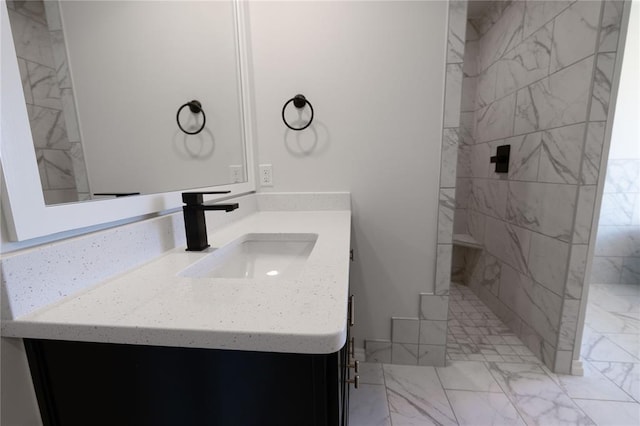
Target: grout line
[
  {"x": 491, "y": 179},
  {"x": 610, "y": 380},
  {"x": 522, "y": 227},
  {"x": 633, "y": 401},
  {"x": 525, "y": 39},
  {"x": 523, "y": 19},
  {"x": 30, "y": 16},
  {"x": 546, "y": 129},
  {"x": 553, "y": 43},
  {"x": 554, "y": 378},
  {"x": 510, "y": 397},
  {"x": 386, "y": 392},
  {"x": 445, "y": 393},
  {"x": 515, "y": 91}
]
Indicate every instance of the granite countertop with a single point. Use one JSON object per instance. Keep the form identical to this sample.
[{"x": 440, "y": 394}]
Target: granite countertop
[{"x": 152, "y": 305}]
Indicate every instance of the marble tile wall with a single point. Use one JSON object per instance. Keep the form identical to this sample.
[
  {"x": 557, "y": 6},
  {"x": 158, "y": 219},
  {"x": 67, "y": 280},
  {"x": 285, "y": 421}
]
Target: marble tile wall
[
  {"x": 433, "y": 307},
  {"x": 617, "y": 251},
  {"x": 539, "y": 73},
  {"x": 41, "y": 51}
]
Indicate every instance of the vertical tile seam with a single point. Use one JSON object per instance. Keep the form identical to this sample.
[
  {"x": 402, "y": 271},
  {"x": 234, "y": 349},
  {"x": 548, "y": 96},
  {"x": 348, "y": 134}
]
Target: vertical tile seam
[
  {"x": 456, "y": 128},
  {"x": 578, "y": 191},
  {"x": 444, "y": 107},
  {"x": 438, "y": 259},
  {"x": 386, "y": 392}
]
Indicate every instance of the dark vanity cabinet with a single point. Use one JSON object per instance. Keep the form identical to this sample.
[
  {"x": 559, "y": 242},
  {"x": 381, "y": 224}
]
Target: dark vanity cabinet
[
  {"x": 87, "y": 383},
  {"x": 82, "y": 383}
]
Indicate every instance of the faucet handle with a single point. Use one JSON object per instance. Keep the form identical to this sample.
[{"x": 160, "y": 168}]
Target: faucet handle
[{"x": 195, "y": 198}]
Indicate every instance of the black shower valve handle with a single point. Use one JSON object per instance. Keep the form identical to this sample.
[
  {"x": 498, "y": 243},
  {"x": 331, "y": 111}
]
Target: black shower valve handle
[{"x": 501, "y": 159}]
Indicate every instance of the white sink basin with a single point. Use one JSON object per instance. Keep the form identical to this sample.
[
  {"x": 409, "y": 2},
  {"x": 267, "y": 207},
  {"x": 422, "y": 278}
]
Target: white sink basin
[{"x": 256, "y": 256}]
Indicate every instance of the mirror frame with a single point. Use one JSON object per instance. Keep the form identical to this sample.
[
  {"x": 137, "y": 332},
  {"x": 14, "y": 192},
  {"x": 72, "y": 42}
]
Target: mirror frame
[{"x": 24, "y": 208}]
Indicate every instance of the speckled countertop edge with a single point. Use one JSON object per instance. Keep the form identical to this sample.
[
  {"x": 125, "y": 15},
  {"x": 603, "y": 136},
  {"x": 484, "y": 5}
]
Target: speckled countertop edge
[{"x": 151, "y": 305}]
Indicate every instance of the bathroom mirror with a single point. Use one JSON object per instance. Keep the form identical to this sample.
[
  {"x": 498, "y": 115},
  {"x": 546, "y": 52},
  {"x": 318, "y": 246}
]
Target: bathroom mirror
[
  {"x": 103, "y": 81},
  {"x": 23, "y": 202}
]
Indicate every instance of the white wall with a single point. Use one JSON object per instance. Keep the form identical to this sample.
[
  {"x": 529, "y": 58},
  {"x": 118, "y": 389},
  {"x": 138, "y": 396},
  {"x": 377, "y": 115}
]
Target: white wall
[
  {"x": 625, "y": 137},
  {"x": 133, "y": 65},
  {"x": 374, "y": 72}
]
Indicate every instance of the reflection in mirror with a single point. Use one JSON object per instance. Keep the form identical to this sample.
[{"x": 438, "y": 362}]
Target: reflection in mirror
[{"x": 103, "y": 81}]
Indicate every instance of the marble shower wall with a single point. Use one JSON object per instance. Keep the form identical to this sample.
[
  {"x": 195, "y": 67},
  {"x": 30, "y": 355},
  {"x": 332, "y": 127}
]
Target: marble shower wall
[
  {"x": 537, "y": 76},
  {"x": 42, "y": 59},
  {"x": 617, "y": 252}
]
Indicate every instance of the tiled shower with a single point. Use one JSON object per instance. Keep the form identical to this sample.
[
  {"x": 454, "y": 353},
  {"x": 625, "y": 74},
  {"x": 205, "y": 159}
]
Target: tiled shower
[
  {"x": 617, "y": 252},
  {"x": 537, "y": 77},
  {"x": 42, "y": 58}
]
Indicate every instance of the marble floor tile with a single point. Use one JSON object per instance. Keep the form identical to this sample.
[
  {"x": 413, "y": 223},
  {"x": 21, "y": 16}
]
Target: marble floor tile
[
  {"x": 483, "y": 408},
  {"x": 603, "y": 270},
  {"x": 512, "y": 340},
  {"x": 403, "y": 420},
  {"x": 476, "y": 357},
  {"x": 496, "y": 340},
  {"x": 522, "y": 351},
  {"x": 416, "y": 396},
  {"x": 631, "y": 265},
  {"x": 628, "y": 342},
  {"x": 495, "y": 358},
  {"x": 371, "y": 373},
  {"x": 597, "y": 347},
  {"x": 530, "y": 360},
  {"x": 368, "y": 406},
  {"x": 457, "y": 357},
  {"x": 512, "y": 387},
  {"x": 611, "y": 322},
  {"x": 611, "y": 413},
  {"x": 618, "y": 289},
  {"x": 479, "y": 335},
  {"x": 467, "y": 375},
  {"x": 611, "y": 302},
  {"x": 536, "y": 396},
  {"x": 592, "y": 385},
  {"x": 624, "y": 374}
]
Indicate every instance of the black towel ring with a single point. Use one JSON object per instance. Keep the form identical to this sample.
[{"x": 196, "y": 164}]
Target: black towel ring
[
  {"x": 195, "y": 107},
  {"x": 299, "y": 101}
]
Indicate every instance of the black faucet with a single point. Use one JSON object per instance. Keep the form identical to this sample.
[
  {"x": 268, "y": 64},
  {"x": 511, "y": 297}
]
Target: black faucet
[{"x": 194, "y": 222}]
